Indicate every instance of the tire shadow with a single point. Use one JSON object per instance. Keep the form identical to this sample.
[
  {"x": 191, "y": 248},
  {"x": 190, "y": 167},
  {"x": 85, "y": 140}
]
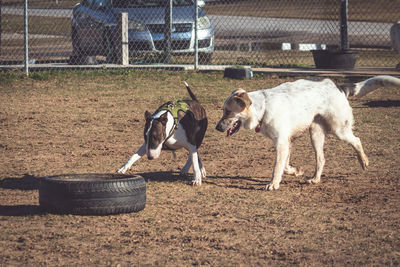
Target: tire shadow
[
  {"x": 27, "y": 182},
  {"x": 20, "y": 210}
]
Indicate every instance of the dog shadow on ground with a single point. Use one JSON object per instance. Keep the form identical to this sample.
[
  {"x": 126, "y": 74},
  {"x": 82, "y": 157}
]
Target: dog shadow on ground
[
  {"x": 245, "y": 183},
  {"x": 259, "y": 183},
  {"x": 254, "y": 183},
  {"x": 383, "y": 103},
  {"x": 242, "y": 182},
  {"x": 238, "y": 182},
  {"x": 25, "y": 183},
  {"x": 169, "y": 176}
]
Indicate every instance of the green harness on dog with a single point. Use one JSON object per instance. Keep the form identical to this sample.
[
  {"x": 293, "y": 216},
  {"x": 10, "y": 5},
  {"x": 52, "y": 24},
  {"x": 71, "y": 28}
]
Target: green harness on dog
[{"x": 173, "y": 106}]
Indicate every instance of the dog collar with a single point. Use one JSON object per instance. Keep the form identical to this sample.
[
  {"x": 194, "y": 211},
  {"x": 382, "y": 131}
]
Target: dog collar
[{"x": 258, "y": 127}]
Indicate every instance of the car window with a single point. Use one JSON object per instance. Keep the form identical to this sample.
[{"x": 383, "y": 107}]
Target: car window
[
  {"x": 148, "y": 3},
  {"x": 87, "y": 2}
]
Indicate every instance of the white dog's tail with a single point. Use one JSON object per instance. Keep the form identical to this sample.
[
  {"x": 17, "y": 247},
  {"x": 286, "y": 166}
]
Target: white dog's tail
[{"x": 365, "y": 87}]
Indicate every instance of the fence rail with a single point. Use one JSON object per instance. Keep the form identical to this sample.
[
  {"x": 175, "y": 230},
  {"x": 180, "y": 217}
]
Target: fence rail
[{"x": 230, "y": 32}]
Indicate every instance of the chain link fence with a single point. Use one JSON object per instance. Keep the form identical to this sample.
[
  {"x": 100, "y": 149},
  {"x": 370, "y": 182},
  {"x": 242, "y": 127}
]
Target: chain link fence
[{"x": 274, "y": 33}]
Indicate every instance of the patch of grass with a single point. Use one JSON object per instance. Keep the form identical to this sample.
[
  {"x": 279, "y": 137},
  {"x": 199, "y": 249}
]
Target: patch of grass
[
  {"x": 41, "y": 76},
  {"x": 7, "y": 77},
  {"x": 42, "y": 4},
  {"x": 359, "y": 10},
  {"x": 293, "y": 66},
  {"x": 37, "y": 25}
]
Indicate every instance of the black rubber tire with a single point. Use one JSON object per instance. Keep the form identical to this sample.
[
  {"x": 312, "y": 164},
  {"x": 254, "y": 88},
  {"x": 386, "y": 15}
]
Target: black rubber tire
[
  {"x": 92, "y": 194},
  {"x": 238, "y": 73}
]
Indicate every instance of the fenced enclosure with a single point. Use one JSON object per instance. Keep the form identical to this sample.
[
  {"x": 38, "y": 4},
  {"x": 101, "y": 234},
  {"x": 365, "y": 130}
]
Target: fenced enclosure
[{"x": 232, "y": 32}]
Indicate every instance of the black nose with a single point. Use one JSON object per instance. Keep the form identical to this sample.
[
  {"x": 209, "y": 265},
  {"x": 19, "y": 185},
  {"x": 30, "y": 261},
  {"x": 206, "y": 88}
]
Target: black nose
[
  {"x": 219, "y": 128},
  {"x": 150, "y": 157}
]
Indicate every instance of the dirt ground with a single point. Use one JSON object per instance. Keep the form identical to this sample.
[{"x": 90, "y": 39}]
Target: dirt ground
[{"x": 84, "y": 122}]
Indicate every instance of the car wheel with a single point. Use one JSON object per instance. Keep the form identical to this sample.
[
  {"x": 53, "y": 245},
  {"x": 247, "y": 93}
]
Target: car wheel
[
  {"x": 112, "y": 56},
  {"x": 205, "y": 58},
  {"x": 92, "y": 194},
  {"x": 77, "y": 57}
]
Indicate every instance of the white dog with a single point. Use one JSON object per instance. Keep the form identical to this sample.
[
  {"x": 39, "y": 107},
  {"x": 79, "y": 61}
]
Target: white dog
[
  {"x": 395, "y": 37},
  {"x": 285, "y": 111},
  {"x": 174, "y": 125}
]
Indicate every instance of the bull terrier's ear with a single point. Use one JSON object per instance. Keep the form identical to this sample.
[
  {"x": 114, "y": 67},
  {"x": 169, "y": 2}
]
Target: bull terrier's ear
[
  {"x": 164, "y": 118},
  {"x": 147, "y": 115},
  {"x": 243, "y": 99}
]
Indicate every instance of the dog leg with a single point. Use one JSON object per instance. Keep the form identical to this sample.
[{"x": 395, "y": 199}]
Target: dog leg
[
  {"x": 138, "y": 154},
  {"x": 185, "y": 169},
  {"x": 348, "y": 136},
  {"x": 195, "y": 163},
  {"x": 202, "y": 169},
  {"x": 317, "y": 134},
  {"x": 290, "y": 169},
  {"x": 282, "y": 151}
]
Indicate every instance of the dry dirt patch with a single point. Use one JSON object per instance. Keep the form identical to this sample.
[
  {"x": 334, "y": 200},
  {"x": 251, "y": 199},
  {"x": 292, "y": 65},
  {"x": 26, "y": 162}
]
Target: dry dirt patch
[{"x": 91, "y": 122}]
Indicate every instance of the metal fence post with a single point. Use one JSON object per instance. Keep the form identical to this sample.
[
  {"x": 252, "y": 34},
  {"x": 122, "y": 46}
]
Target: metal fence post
[
  {"x": 196, "y": 43},
  {"x": 344, "y": 42},
  {"x": 123, "y": 43},
  {"x": 26, "y": 56},
  {"x": 168, "y": 32}
]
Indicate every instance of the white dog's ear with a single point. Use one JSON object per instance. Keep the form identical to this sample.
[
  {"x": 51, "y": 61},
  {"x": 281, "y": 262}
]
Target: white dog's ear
[
  {"x": 243, "y": 99},
  {"x": 147, "y": 115},
  {"x": 238, "y": 91}
]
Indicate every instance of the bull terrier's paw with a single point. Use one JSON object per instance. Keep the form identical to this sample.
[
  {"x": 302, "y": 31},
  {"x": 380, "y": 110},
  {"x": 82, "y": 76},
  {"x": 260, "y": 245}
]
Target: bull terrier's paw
[
  {"x": 271, "y": 186},
  {"x": 122, "y": 170},
  {"x": 196, "y": 181},
  {"x": 314, "y": 180}
]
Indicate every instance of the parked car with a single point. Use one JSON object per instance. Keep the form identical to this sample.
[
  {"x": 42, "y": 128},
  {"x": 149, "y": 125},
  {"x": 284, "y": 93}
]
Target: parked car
[{"x": 94, "y": 28}]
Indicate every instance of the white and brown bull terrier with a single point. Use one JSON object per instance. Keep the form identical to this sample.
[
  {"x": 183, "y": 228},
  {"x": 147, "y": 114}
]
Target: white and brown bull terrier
[{"x": 176, "y": 124}]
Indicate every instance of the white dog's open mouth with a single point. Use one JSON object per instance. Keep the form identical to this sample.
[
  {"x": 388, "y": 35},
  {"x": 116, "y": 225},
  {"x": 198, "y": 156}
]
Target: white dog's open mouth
[{"x": 235, "y": 127}]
